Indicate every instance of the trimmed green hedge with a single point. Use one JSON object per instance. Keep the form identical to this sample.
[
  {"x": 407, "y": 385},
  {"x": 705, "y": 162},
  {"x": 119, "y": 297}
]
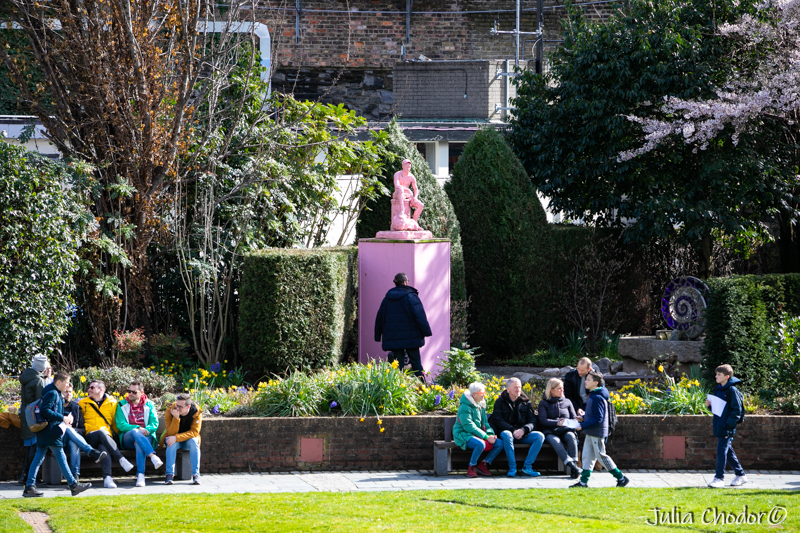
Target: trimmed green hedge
[
  {"x": 740, "y": 313},
  {"x": 298, "y": 308}
]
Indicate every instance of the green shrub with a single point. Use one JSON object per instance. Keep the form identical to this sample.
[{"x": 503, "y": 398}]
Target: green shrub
[
  {"x": 296, "y": 395},
  {"x": 507, "y": 250},
  {"x": 378, "y": 388},
  {"x": 118, "y": 378},
  {"x": 38, "y": 241},
  {"x": 785, "y": 349},
  {"x": 740, "y": 310},
  {"x": 437, "y": 217},
  {"x": 297, "y": 309},
  {"x": 458, "y": 368}
]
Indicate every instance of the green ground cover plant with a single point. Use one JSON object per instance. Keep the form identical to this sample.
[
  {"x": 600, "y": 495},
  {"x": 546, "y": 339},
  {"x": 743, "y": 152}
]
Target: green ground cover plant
[{"x": 422, "y": 511}]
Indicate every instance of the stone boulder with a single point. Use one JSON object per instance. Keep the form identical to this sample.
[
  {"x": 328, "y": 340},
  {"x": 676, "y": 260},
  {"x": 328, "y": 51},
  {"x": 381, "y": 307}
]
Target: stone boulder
[
  {"x": 616, "y": 367},
  {"x": 604, "y": 365},
  {"x": 551, "y": 372},
  {"x": 524, "y": 377}
]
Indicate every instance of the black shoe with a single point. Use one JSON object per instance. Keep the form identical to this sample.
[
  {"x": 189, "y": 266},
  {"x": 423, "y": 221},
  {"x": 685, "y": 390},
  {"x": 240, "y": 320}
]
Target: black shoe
[
  {"x": 623, "y": 481},
  {"x": 31, "y": 492},
  {"x": 168, "y": 479},
  {"x": 97, "y": 455},
  {"x": 77, "y": 488},
  {"x": 579, "y": 484},
  {"x": 574, "y": 470}
]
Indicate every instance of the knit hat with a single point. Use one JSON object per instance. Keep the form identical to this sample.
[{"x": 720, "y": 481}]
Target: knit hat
[{"x": 39, "y": 363}]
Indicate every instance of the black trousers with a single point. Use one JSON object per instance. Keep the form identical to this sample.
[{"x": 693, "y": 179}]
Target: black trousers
[
  {"x": 101, "y": 441},
  {"x": 30, "y": 451},
  {"x": 413, "y": 358}
]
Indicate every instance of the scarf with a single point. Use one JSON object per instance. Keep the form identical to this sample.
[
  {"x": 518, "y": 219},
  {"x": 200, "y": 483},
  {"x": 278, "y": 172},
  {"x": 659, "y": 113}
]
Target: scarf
[{"x": 136, "y": 415}]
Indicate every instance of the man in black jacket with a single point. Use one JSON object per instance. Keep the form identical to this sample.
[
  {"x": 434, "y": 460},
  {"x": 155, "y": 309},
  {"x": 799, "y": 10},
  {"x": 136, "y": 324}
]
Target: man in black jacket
[
  {"x": 513, "y": 420},
  {"x": 403, "y": 325},
  {"x": 574, "y": 386},
  {"x": 32, "y": 384}
]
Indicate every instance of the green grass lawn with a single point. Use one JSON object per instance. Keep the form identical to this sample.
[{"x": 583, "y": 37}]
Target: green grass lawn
[{"x": 455, "y": 511}]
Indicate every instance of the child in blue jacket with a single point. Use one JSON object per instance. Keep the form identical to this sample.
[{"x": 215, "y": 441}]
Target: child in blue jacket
[{"x": 725, "y": 426}]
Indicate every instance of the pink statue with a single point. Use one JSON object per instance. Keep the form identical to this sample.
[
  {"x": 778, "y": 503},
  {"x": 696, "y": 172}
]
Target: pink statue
[{"x": 404, "y": 226}]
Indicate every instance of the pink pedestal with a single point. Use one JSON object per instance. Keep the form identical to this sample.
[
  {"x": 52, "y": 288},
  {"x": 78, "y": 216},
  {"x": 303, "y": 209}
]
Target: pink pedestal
[{"x": 427, "y": 265}]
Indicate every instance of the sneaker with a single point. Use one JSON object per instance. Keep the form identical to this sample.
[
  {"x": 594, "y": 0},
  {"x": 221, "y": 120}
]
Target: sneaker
[
  {"x": 108, "y": 482},
  {"x": 125, "y": 464},
  {"x": 77, "y": 488},
  {"x": 157, "y": 463},
  {"x": 471, "y": 471},
  {"x": 140, "y": 480},
  {"x": 31, "y": 492},
  {"x": 168, "y": 479},
  {"x": 716, "y": 483},
  {"x": 512, "y": 472},
  {"x": 97, "y": 455},
  {"x": 573, "y": 469},
  {"x": 579, "y": 484},
  {"x": 528, "y": 471},
  {"x": 196, "y": 479},
  {"x": 483, "y": 469},
  {"x": 623, "y": 481},
  {"x": 739, "y": 480}
]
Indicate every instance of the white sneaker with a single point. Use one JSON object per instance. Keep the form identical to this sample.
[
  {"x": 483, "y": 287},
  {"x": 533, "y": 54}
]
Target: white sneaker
[
  {"x": 108, "y": 482},
  {"x": 125, "y": 464},
  {"x": 739, "y": 480},
  {"x": 157, "y": 463},
  {"x": 716, "y": 483},
  {"x": 140, "y": 480}
]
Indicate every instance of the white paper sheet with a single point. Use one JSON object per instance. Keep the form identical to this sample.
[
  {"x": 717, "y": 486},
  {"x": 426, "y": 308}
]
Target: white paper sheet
[
  {"x": 717, "y": 404},
  {"x": 63, "y": 427},
  {"x": 572, "y": 424}
]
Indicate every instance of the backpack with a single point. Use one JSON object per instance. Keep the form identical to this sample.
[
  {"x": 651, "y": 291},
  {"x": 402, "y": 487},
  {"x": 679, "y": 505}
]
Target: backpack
[
  {"x": 612, "y": 418},
  {"x": 33, "y": 417}
]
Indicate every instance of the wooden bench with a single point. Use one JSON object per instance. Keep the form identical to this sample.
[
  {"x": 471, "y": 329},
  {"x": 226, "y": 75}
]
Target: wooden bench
[
  {"x": 445, "y": 451},
  {"x": 51, "y": 473}
]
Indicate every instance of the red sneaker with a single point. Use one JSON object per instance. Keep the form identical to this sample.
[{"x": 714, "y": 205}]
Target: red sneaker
[
  {"x": 471, "y": 471},
  {"x": 483, "y": 469}
]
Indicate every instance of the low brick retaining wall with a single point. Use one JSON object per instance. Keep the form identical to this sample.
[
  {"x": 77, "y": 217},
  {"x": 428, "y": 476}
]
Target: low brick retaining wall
[{"x": 326, "y": 443}]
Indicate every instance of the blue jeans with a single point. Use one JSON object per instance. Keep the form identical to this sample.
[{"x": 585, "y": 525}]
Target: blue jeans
[
  {"x": 725, "y": 454},
  {"x": 76, "y": 444},
  {"x": 194, "y": 455},
  {"x": 135, "y": 439},
  {"x": 38, "y": 459},
  {"x": 477, "y": 447},
  {"x": 534, "y": 438}
]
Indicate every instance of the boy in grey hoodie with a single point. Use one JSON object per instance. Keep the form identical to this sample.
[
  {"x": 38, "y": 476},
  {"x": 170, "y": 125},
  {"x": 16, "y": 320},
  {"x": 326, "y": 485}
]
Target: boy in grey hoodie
[{"x": 594, "y": 425}]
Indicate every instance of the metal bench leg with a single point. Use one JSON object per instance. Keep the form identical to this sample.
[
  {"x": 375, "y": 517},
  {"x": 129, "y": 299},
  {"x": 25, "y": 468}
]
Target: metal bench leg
[
  {"x": 183, "y": 468},
  {"x": 441, "y": 461},
  {"x": 51, "y": 473}
]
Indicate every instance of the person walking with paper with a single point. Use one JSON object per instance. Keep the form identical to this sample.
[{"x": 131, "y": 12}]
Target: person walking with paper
[{"x": 727, "y": 404}]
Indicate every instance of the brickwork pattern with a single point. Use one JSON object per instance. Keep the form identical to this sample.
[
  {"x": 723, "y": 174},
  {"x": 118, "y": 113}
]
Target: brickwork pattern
[{"x": 273, "y": 444}]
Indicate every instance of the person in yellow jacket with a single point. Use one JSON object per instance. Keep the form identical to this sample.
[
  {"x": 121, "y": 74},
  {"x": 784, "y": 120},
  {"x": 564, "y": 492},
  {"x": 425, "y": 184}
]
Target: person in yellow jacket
[
  {"x": 183, "y": 420},
  {"x": 98, "y": 411}
]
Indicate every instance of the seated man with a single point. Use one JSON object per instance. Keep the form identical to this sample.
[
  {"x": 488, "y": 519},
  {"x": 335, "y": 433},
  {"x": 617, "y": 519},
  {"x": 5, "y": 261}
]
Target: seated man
[
  {"x": 73, "y": 436},
  {"x": 514, "y": 420},
  {"x": 98, "y": 411},
  {"x": 574, "y": 387},
  {"x": 137, "y": 424},
  {"x": 183, "y": 420}
]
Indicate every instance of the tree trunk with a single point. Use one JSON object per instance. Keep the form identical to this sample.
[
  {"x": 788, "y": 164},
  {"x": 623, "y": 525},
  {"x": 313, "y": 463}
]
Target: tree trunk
[{"x": 706, "y": 261}]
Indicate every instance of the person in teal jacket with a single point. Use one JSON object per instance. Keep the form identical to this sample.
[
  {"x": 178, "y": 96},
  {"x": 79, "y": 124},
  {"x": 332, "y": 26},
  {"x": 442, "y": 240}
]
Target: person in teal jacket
[
  {"x": 137, "y": 424},
  {"x": 472, "y": 430}
]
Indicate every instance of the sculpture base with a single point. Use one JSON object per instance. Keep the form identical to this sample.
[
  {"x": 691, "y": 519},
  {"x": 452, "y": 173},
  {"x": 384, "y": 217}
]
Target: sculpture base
[{"x": 404, "y": 235}]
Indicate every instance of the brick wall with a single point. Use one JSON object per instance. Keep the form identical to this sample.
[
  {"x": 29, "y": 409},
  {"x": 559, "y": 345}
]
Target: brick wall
[{"x": 274, "y": 444}]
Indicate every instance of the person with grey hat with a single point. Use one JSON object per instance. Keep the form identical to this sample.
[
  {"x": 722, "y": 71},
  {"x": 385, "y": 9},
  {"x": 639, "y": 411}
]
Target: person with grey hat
[
  {"x": 32, "y": 383},
  {"x": 401, "y": 325}
]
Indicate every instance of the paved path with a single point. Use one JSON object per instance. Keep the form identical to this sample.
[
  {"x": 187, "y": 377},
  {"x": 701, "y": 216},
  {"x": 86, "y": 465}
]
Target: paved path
[{"x": 404, "y": 480}]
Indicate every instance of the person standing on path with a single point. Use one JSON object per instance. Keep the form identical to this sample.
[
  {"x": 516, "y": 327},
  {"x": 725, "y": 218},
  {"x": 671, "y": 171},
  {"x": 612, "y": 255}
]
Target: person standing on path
[
  {"x": 31, "y": 386},
  {"x": 401, "y": 325}
]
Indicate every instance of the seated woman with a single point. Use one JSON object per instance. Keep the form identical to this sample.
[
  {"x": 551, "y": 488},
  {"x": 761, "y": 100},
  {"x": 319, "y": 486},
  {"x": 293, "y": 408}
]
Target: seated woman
[
  {"x": 514, "y": 420},
  {"x": 472, "y": 430},
  {"x": 553, "y": 410}
]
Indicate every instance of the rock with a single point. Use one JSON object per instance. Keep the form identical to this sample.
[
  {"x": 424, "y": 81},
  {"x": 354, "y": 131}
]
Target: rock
[
  {"x": 551, "y": 372},
  {"x": 524, "y": 377},
  {"x": 648, "y": 348},
  {"x": 604, "y": 365},
  {"x": 566, "y": 369},
  {"x": 616, "y": 366},
  {"x": 694, "y": 332}
]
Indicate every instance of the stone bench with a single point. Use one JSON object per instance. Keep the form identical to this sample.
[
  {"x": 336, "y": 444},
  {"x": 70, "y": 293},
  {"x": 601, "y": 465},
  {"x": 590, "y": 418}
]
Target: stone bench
[{"x": 445, "y": 451}]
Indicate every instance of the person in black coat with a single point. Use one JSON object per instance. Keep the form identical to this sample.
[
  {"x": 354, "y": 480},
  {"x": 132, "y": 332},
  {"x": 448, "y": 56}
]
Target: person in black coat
[
  {"x": 574, "y": 388},
  {"x": 514, "y": 420},
  {"x": 73, "y": 435},
  {"x": 52, "y": 410},
  {"x": 553, "y": 410},
  {"x": 401, "y": 325}
]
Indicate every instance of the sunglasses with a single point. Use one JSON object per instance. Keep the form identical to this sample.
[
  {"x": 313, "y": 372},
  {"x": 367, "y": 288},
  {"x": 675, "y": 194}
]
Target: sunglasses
[{"x": 133, "y": 391}]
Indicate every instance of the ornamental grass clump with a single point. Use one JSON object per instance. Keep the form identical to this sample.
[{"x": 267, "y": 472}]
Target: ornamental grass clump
[
  {"x": 295, "y": 395},
  {"x": 662, "y": 395},
  {"x": 378, "y": 388}
]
